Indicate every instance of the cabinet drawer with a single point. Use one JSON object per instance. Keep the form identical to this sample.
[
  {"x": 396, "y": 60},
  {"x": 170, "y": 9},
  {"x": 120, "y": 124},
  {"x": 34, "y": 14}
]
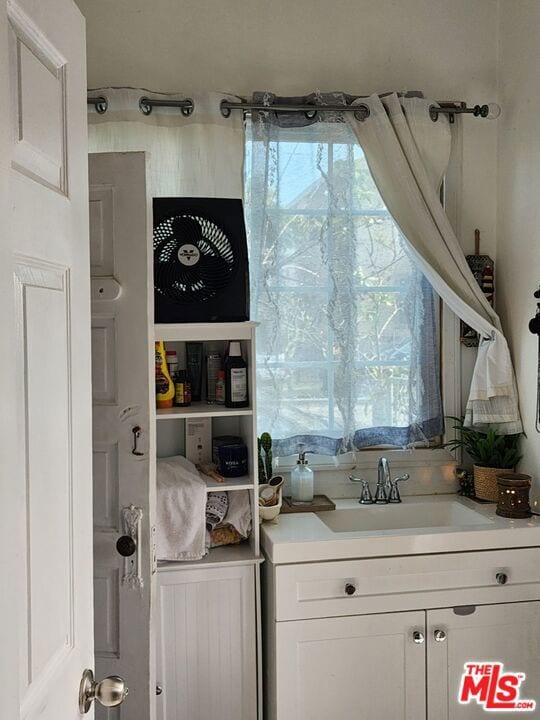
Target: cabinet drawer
[{"x": 350, "y": 587}]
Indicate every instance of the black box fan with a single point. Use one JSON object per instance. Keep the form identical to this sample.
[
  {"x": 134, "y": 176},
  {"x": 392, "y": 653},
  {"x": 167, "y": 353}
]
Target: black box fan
[{"x": 200, "y": 260}]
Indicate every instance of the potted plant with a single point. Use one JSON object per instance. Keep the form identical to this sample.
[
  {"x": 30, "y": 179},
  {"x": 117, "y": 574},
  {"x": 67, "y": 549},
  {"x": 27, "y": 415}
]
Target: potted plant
[{"x": 491, "y": 452}]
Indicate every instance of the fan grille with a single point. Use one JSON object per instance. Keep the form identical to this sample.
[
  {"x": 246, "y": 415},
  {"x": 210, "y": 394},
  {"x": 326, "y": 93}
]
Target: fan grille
[{"x": 209, "y": 276}]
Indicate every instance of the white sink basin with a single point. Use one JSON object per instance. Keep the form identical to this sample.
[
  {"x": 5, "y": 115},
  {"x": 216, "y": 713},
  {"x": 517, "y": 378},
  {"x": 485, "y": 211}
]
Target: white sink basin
[{"x": 402, "y": 516}]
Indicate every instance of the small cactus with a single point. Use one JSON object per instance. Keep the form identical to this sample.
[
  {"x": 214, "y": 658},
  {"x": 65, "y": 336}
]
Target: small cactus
[
  {"x": 262, "y": 475},
  {"x": 265, "y": 463}
]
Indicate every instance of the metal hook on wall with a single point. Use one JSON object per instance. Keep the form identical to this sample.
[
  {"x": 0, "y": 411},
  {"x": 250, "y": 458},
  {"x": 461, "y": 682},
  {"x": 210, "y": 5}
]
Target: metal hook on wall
[{"x": 136, "y": 435}]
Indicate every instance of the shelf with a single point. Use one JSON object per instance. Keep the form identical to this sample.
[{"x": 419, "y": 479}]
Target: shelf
[
  {"x": 198, "y": 332},
  {"x": 241, "y": 554},
  {"x": 239, "y": 483},
  {"x": 200, "y": 410}
]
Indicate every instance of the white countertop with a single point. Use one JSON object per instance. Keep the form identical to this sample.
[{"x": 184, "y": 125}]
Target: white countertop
[{"x": 304, "y": 537}]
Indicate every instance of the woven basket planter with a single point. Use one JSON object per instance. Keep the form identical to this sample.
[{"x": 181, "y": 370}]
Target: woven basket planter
[{"x": 485, "y": 482}]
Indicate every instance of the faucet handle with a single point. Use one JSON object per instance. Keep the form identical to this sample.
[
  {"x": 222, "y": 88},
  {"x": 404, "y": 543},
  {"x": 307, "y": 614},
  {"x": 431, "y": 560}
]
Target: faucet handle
[
  {"x": 366, "y": 497},
  {"x": 393, "y": 495}
]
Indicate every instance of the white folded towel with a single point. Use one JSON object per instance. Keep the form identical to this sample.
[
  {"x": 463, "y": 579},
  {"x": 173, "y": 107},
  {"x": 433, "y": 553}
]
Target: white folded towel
[{"x": 181, "y": 510}]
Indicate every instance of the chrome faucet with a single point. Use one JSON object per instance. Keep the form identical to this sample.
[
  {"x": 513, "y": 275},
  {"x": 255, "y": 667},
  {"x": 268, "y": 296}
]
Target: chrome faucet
[
  {"x": 383, "y": 482},
  {"x": 387, "y": 490}
]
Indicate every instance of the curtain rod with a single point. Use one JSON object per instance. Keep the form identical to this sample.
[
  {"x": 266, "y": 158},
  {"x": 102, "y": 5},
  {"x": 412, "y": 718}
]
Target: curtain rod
[{"x": 361, "y": 111}]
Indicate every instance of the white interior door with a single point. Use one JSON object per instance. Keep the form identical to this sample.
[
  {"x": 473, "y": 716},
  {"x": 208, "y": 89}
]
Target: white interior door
[
  {"x": 123, "y": 389},
  {"x": 47, "y": 636}
]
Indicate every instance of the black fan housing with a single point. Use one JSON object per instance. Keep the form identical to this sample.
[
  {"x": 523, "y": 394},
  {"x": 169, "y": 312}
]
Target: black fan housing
[{"x": 200, "y": 260}]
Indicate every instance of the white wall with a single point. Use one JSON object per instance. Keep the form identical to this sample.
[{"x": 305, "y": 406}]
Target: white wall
[
  {"x": 519, "y": 201},
  {"x": 445, "y": 48}
]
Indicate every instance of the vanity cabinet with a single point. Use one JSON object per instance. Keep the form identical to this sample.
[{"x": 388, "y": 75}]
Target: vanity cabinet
[
  {"x": 351, "y": 667},
  {"x": 507, "y": 633},
  {"x": 330, "y": 654}
]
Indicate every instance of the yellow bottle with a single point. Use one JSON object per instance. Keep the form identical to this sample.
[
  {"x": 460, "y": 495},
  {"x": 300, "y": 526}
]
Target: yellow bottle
[{"x": 164, "y": 383}]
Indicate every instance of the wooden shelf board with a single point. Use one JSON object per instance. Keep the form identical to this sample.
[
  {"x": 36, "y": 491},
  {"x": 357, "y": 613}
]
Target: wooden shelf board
[
  {"x": 239, "y": 483},
  {"x": 198, "y": 332},
  {"x": 200, "y": 410},
  {"x": 241, "y": 554}
]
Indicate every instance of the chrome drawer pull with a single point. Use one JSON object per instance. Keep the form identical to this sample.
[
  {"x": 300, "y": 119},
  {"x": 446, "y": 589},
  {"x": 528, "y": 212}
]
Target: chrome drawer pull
[{"x": 418, "y": 637}]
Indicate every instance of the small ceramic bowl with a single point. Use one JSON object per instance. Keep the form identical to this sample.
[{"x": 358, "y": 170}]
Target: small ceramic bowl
[{"x": 270, "y": 513}]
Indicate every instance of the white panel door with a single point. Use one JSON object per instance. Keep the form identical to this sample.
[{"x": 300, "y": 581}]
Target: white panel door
[
  {"x": 207, "y": 649},
  {"x": 507, "y": 633},
  {"x": 364, "y": 667},
  {"x": 122, "y": 388},
  {"x": 47, "y": 634}
]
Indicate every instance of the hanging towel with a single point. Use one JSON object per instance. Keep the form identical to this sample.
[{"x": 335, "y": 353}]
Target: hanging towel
[{"x": 181, "y": 510}]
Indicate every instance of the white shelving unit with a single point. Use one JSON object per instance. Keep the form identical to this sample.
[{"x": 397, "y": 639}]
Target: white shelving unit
[
  {"x": 233, "y": 421},
  {"x": 193, "y": 594}
]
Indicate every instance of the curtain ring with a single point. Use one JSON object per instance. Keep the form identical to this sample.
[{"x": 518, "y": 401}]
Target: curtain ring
[
  {"x": 144, "y": 106},
  {"x": 100, "y": 103},
  {"x": 225, "y": 111},
  {"x": 362, "y": 113}
]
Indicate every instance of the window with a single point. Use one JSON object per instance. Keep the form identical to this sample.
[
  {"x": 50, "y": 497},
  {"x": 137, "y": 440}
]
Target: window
[{"x": 347, "y": 351}]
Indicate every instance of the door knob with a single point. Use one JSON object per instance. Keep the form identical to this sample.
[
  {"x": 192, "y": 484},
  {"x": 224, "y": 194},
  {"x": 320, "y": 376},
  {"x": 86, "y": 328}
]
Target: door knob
[
  {"x": 126, "y": 545},
  {"x": 439, "y": 635},
  {"x": 111, "y": 691},
  {"x": 418, "y": 637}
]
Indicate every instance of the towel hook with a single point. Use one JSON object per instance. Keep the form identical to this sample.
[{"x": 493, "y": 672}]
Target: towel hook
[{"x": 136, "y": 435}]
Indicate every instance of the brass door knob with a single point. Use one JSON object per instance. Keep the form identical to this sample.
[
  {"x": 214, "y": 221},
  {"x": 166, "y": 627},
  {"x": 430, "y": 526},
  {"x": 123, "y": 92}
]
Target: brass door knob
[{"x": 111, "y": 691}]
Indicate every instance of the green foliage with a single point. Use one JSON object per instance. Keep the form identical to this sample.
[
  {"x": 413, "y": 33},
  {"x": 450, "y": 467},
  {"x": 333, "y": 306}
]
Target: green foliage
[
  {"x": 489, "y": 448},
  {"x": 265, "y": 457}
]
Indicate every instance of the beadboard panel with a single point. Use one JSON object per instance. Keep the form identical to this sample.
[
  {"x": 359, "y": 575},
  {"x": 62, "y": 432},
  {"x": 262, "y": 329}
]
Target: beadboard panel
[{"x": 206, "y": 644}]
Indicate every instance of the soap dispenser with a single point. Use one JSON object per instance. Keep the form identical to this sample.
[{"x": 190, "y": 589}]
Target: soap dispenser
[{"x": 302, "y": 480}]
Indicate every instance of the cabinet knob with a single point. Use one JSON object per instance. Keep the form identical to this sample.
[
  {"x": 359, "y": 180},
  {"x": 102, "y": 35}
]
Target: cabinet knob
[
  {"x": 501, "y": 578},
  {"x": 126, "y": 546},
  {"x": 350, "y": 589},
  {"x": 439, "y": 635},
  {"x": 159, "y": 689},
  {"x": 418, "y": 637}
]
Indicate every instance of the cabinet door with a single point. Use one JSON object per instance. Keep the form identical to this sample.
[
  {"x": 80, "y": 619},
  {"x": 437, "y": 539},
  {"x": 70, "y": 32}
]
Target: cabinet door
[
  {"x": 363, "y": 667},
  {"x": 207, "y": 663},
  {"x": 507, "y": 633}
]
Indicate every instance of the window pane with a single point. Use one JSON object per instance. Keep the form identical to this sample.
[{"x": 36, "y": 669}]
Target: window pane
[{"x": 347, "y": 322}]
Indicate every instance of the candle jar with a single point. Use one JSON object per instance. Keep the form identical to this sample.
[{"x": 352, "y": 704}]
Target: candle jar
[{"x": 513, "y": 495}]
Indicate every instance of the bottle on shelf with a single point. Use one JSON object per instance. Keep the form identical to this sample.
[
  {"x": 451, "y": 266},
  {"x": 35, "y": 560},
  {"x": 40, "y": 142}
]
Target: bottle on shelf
[
  {"x": 302, "y": 480},
  {"x": 164, "y": 383},
  {"x": 220, "y": 388},
  {"x": 236, "y": 380},
  {"x": 194, "y": 365},
  {"x": 172, "y": 363},
  {"x": 213, "y": 366},
  {"x": 182, "y": 389}
]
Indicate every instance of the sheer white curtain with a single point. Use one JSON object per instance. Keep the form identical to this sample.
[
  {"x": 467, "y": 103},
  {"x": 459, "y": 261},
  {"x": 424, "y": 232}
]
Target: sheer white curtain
[
  {"x": 196, "y": 156},
  {"x": 347, "y": 350},
  {"x": 408, "y": 154}
]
